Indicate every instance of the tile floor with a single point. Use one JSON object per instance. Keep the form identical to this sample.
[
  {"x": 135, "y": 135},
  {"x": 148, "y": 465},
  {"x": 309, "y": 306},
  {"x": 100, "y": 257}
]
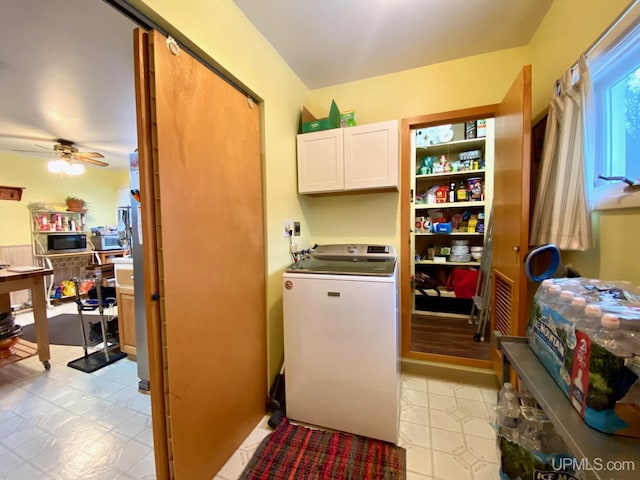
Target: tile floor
[
  {"x": 444, "y": 427},
  {"x": 64, "y": 424}
]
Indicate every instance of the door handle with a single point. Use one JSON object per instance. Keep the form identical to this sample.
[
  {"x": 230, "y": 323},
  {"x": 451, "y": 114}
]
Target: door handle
[{"x": 333, "y": 294}]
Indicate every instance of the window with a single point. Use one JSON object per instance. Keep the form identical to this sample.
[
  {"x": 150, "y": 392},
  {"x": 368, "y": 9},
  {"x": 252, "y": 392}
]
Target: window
[{"x": 613, "y": 121}]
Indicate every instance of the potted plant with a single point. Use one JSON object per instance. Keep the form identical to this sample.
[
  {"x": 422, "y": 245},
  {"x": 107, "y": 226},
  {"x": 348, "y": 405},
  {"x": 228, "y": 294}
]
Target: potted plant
[{"x": 75, "y": 204}]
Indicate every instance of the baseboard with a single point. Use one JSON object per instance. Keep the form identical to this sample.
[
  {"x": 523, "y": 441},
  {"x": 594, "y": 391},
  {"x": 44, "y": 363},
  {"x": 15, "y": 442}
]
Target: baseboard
[{"x": 479, "y": 377}]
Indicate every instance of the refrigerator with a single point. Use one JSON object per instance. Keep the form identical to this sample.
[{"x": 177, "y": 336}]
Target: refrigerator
[{"x": 136, "y": 242}]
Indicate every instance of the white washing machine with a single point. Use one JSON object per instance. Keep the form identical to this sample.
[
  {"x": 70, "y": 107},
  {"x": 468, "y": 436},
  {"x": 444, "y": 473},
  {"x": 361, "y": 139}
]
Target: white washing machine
[{"x": 341, "y": 340}]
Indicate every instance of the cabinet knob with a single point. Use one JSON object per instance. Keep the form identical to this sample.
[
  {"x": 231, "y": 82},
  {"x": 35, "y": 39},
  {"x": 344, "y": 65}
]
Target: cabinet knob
[{"x": 516, "y": 248}]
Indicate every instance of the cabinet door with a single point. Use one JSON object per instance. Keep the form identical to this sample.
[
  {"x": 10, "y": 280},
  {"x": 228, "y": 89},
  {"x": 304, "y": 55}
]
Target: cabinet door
[
  {"x": 126, "y": 320},
  {"x": 321, "y": 161},
  {"x": 371, "y": 156}
]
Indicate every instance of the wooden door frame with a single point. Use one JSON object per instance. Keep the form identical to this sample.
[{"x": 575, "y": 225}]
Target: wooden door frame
[{"x": 408, "y": 124}]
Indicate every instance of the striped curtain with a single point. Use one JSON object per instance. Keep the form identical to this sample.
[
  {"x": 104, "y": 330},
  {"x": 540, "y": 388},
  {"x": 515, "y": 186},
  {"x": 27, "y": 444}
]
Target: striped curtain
[{"x": 560, "y": 210}]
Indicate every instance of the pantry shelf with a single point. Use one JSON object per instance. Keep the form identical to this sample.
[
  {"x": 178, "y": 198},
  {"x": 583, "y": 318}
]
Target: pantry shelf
[
  {"x": 422, "y": 206},
  {"x": 454, "y": 146},
  {"x": 448, "y": 264},
  {"x": 462, "y": 173},
  {"x": 452, "y": 233}
]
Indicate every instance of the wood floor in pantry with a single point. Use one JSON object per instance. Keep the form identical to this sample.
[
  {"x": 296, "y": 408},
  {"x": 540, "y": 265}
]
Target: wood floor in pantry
[{"x": 446, "y": 336}]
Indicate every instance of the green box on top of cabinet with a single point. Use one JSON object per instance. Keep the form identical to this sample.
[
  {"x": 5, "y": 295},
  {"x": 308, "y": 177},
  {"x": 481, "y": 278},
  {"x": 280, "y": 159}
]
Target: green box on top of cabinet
[{"x": 312, "y": 124}]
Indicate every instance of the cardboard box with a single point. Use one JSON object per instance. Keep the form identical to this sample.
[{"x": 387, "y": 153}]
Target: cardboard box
[
  {"x": 348, "y": 119},
  {"x": 312, "y": 124},
  {"x": 602, "y": 386}
]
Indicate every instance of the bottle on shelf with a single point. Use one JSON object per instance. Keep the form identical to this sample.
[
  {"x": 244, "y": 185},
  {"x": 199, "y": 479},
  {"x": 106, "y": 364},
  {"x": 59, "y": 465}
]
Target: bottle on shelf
[
  {"x": 526, "y": 397},
  {"x": 452, "y": 192},
  {"x": 608, "y": 336},
  {"x": 531, "y": 428},
  {"x": 542, "y": 294},
  {"x": 462, "y": 193},
  {"x": 508, "y": 414},
  {"x": 506, "y": 387},
  {"x": 590, "y": 321},
  {"x": 576, "y": 309}
]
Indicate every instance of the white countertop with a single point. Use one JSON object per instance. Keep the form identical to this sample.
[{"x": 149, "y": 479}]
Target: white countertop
[{"x": 122, "y": 260}]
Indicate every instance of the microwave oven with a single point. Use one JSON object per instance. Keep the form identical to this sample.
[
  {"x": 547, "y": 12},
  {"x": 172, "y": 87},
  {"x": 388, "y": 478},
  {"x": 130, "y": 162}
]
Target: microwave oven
[
  {"x": 66, "y": 242},
  {"x": 106, "y": 242}
]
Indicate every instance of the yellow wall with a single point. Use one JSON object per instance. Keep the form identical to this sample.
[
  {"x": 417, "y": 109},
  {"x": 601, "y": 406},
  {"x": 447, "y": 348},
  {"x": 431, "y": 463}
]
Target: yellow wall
[
  {"x": 568, "y": 30},
  {"x": 98, "y": 187},
  {"x": 468, "y": 82}
]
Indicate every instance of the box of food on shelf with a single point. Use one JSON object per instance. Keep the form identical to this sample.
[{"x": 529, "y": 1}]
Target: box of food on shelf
[{"x": 586, "y": 332}]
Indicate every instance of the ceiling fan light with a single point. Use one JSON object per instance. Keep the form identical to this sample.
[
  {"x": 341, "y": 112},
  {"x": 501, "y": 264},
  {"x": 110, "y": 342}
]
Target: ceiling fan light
[
  {"x": 74, "y": 169},
  {"x": 57, "y": 166}
]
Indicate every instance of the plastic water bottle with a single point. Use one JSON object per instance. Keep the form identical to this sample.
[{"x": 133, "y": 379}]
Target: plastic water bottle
[
  {"x": 553, "y": 296},
  {"x": 609, "y": 337},
  {"x": 526, "y": 397},
  {"x": 542, "y": 294},
  {"x": 590, "y": 322},
  {"x": 509, "y": 415},
  {"x": 506, "y": 387},
  {"x": 575, "y": 313},
  {"x": 531, "y": 426},
  {"x": 566, "y": 296}
]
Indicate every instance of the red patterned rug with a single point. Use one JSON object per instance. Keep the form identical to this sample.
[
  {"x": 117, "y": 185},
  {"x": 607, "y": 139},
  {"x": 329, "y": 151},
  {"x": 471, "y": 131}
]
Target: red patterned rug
[{"x": 295, "y": 452}]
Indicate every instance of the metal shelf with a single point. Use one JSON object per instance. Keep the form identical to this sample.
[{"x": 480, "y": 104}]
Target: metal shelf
[{"x": 583, "y": 441}]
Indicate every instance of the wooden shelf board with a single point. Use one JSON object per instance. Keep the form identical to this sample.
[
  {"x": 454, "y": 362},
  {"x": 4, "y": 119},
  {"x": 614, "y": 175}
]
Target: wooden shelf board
[
  {"x": 23, "y": 349},
  {"x": 447, "y": 234},
  {"x": 423, "y": 206},
  {"x": 448, "y": 264},
  {"x": 450, "y": 174}
]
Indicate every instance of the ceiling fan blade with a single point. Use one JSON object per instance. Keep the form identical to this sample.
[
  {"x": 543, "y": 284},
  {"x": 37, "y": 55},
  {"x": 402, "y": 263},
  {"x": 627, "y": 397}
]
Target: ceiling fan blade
[
  {"x": 80, "y": 158},
  {"x": 32, "y": 151},
  {"x": 89, "y": 154}
]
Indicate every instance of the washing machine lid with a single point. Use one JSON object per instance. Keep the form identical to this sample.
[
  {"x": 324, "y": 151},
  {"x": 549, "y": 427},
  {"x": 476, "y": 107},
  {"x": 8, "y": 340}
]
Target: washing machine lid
[{"x": 348, "y": 259}]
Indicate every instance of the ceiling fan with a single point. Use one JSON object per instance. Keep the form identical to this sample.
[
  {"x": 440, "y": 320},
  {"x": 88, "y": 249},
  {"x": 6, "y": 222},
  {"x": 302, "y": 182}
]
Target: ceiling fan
[{"x": 66, "y": 150}]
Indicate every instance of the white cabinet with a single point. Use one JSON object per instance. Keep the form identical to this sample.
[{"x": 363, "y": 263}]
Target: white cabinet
[{"x": 364, "y": 157}]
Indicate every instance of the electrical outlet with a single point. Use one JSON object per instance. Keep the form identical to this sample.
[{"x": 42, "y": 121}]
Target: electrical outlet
[
  {"x": 287, "y": 228},
  {"x": 296, "y": 229}
]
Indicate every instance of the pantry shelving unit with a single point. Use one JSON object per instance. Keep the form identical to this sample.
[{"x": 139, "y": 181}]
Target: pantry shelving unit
[
  {"x": 53, "y": 219},
  {"x": 443, "y": 163},
  {"x": 583, "y": 442}
]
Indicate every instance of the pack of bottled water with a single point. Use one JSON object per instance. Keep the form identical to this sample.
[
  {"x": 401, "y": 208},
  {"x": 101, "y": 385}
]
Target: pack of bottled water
[{"x": 586, "y": 332}]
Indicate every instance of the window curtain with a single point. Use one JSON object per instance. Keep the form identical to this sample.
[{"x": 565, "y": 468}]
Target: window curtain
[{"x": 560, "y": 209}]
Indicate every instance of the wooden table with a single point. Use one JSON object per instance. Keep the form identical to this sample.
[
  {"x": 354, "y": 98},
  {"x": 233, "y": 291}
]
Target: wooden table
[
  {"x": 104, "y": 255},
  {"x": 34, "y": 281}
]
